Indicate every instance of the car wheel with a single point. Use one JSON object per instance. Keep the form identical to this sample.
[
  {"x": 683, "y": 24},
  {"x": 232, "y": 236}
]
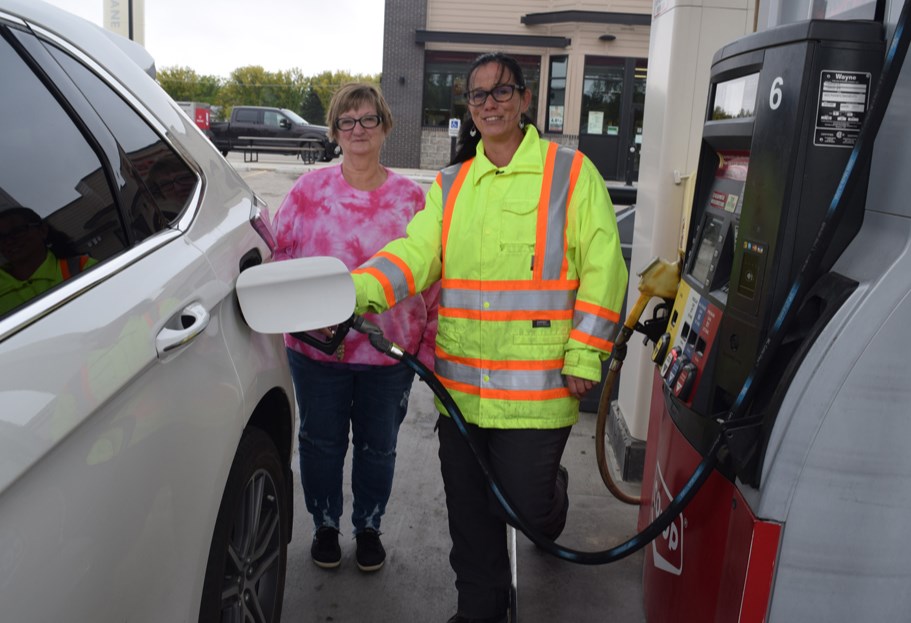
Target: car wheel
[
  {"x": 245, "y": 575},
  {"x": 327, "y": 154},
  {"x": 311, "y": 153}
]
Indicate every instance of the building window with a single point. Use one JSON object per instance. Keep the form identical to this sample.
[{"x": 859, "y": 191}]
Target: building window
[
  {"x": 556, "y": 94},
  {"x": 444, "y": 84},
  {"x": 602, "y": 95}
]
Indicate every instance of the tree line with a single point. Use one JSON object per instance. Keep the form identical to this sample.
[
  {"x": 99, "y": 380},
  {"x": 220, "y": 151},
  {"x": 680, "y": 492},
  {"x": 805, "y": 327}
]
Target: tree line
[{"x": 254, "y": 86}]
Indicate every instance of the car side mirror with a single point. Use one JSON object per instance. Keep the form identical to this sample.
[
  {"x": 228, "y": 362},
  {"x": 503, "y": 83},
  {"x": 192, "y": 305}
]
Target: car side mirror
[
  {"x": 284, "y": 123},
  {"x": 297, "y": 295}
]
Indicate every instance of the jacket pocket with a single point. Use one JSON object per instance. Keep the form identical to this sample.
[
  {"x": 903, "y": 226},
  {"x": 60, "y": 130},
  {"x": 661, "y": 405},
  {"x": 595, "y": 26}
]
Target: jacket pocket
[
  {"x": 448, "y": 338},
  {"x": 540, "y": 337},
  {"x": 518, "y": 221}
]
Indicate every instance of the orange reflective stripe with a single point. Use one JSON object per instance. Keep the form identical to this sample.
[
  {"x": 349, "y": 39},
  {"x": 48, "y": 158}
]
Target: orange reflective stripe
[
  {"x": 486, "y": 286},
  {"x": 449, "y": 199},
  {"x": 501, "y": 364},
  {"x": 388, "y": 289},
  {"x": 394, "y": 276},
  {"x": 71, "y": 265},
  {"x": 409, "y": 276},
  {"x": 506, "y": 394},
  {"x": 543, "y": 212},
  {"x": 473, "y": 314},
  {"x": 597, "y": 310},
  {"x": 591, "y": 340}
]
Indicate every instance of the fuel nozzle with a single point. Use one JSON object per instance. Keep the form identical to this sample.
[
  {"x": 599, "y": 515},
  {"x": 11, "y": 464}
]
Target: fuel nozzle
[
  {"x": 376, "y": 337},
  {"x": 660, "y": 278}
]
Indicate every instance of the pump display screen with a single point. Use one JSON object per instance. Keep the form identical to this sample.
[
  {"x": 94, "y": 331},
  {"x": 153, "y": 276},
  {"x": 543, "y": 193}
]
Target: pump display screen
[
  {"x": 712, "y": 236},
  {"x": 735, "y": 99}
]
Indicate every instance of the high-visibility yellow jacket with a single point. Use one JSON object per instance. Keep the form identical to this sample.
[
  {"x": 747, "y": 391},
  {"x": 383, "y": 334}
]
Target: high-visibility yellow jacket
[
  {"x": 532, "y": 281},
  {"x": 50, "y": 273}
]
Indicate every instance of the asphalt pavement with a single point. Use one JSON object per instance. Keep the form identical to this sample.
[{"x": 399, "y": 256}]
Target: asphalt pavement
[{"x": 416, "y": 584}]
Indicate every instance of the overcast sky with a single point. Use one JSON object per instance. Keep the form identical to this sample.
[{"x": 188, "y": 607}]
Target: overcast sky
[{"x": 214, "y": 37}]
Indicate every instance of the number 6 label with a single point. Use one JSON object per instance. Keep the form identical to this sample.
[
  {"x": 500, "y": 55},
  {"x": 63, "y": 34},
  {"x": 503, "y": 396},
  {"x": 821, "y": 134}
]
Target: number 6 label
[{"x": 775, "y": 93}]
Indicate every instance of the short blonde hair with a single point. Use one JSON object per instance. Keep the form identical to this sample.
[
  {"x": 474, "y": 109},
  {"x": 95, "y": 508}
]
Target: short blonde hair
[{"x": 353, "y": 95}]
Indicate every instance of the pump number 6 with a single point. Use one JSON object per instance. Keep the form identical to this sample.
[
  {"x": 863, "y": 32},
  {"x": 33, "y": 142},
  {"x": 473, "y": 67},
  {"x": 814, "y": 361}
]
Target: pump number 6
[{"x": 775, "y": 93}]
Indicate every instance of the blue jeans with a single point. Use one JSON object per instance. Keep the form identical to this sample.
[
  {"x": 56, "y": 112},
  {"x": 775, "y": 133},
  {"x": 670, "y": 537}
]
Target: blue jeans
[{"x": 371, "y": 401}]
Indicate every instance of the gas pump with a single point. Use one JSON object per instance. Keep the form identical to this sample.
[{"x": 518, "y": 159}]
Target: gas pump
[
  {"x": 814, "y": 449},
  {"x": 785, "y": 108}
]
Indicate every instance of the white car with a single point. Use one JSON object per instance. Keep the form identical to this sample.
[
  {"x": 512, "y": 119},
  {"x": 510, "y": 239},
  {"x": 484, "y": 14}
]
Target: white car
[{"x": 145, "y": 431}]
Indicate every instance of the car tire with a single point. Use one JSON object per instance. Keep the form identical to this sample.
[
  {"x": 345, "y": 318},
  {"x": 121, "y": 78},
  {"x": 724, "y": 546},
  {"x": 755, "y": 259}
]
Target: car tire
[
  {"x": 327, "y": 154},
  {"x": 310, "y": 155},
  {"x": 245, "y": 574}
]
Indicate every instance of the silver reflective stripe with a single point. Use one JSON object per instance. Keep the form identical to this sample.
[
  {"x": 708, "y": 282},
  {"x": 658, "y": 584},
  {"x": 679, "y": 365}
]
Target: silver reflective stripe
[
  {"x": 447, "y": 179},
  {"x": 595, "y": 325},
  {"x": 394, "y": 274},
  {"x": 514, "y": 380},
  {"x": 554, "y": 250},
  {"x": 508, "y": 300}
]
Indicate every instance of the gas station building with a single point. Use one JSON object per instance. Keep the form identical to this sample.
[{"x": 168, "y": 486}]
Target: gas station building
[
  {"x": 590, "y": 65},
  {"x": 586, "y": 63}
]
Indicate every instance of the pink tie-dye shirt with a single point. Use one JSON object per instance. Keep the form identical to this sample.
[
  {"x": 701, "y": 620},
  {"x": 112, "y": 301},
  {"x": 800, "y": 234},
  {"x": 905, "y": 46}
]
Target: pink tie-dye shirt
[{"x": 323, "y": 215}]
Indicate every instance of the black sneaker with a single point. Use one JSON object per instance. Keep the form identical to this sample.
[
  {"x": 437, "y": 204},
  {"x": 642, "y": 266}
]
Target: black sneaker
[
  {"x": 325, "y": 550},
  {"x": 370, "y": 553}
]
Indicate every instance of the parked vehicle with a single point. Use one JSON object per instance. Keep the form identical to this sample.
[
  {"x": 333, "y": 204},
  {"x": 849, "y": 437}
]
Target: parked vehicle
[
  {"x": 260, "y": 129},
  {"x": 199, "y": 112},
  {"x": 145, "y": 430}
]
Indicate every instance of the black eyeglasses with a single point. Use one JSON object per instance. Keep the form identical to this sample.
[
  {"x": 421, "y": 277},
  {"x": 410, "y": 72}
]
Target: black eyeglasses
[
  {"x": 15, "y": 232},
  {"x": 500, "y": 93},
  {"x": 368, "y": 122}
]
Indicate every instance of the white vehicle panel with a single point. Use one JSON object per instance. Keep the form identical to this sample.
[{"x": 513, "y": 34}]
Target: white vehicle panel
[{"x": 110, "y": 412}]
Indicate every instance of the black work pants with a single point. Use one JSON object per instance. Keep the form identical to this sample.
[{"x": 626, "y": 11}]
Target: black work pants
[{"x": 526, "y": 462}]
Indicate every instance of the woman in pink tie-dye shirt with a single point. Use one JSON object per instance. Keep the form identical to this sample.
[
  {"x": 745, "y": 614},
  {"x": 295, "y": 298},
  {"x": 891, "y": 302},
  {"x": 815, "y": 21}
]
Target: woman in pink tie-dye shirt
[{"x": 350, "y": 211}]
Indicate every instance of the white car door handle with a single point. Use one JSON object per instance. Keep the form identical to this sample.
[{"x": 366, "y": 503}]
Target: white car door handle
[{"x": 182, "y": 329}]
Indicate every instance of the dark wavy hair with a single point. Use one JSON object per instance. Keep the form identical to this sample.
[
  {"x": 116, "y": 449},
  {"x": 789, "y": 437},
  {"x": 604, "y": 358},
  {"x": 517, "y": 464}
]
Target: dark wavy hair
[
  {"x": 59, "y": 243},
  {"x": 467, "y": 145}
]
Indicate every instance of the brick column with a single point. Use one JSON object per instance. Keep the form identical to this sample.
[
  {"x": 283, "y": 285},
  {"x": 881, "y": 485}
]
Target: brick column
[{"x": 403, "y": 80}]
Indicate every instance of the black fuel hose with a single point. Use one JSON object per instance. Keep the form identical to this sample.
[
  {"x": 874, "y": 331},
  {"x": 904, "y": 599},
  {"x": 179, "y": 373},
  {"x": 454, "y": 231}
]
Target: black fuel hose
[
  {"x": 862, "y": 150},
  {"x": 634, "y": 544}
]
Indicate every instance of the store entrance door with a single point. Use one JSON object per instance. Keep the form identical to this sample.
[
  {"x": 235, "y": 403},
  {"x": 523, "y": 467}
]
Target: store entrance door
[
  {"x": 603, "y": 152},
  {"x": 613, "y": 93}
]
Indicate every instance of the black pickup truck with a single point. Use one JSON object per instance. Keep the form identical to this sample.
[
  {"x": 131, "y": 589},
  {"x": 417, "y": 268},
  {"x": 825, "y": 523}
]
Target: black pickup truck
[{"x": 260, "y": 129}]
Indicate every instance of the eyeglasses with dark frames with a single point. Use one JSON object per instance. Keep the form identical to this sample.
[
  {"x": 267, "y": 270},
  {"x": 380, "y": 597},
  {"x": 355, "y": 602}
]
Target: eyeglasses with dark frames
[
  {"x": 500, "y": 93},
  {"x": 368, "y": 122},
  {"x": 18, "y": 231}
]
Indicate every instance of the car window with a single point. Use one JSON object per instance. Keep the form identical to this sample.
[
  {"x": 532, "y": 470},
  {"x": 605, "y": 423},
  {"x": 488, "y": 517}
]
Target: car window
[
  {"x": 58, "y": 215},
  {"x": 246, "y": 116},
  {"x": 296, "y": 118},
  {"x": 272, "y": 118},
  {"x": 167, "y": 178}
]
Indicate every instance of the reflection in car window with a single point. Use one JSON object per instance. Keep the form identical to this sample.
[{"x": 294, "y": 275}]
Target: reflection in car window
[
  {"x": 65, "y": 188},
  {"x": 271, "y": 118},
  {"x": 166, "y": 177},
  {"x": 295, "y": 117}
]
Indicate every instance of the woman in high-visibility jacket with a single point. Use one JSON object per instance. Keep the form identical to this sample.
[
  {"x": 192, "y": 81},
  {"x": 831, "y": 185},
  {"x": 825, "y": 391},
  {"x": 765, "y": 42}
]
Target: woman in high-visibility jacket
[
  {"x": 37, "y": 257},
  {"x": 523, "y": 236}
]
